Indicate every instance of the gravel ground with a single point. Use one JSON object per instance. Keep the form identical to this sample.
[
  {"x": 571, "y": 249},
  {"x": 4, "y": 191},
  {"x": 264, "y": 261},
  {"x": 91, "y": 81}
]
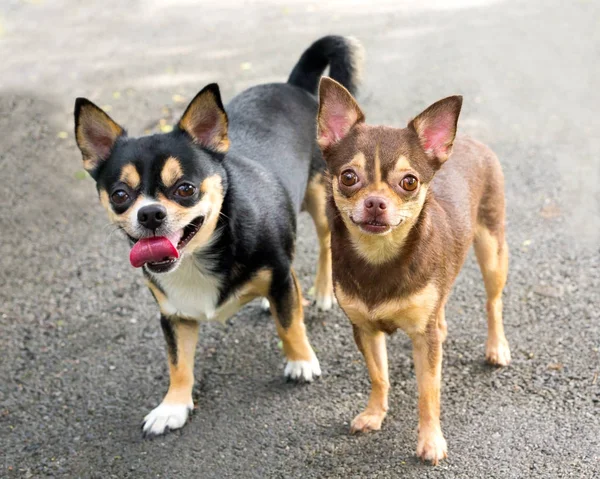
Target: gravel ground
[{"x": 82, "y": 356}]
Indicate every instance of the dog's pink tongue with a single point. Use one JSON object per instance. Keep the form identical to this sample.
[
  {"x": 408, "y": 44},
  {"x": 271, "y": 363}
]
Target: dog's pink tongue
[{"x": 152, "y": 250}]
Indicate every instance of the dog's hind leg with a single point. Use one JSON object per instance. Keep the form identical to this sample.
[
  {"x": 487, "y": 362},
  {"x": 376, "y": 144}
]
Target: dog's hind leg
[
  {"x": 492, "y": 254},
  {"x": 314, "y": 203},
  {"x": 285, "y": 298}
]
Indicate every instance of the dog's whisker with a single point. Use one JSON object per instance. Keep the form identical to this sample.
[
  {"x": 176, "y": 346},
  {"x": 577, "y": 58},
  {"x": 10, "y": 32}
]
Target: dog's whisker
[{"x": 110, "y": 234}]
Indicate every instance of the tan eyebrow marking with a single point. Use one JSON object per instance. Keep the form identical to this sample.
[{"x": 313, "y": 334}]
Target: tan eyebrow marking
[
  {"x": 377, "y": 167},
  {"x": 130, "y": 176},
  {"x": 171, "y": 171},
  {"x": 358, "y": 161},
  {"x": 402, "y": 163}
]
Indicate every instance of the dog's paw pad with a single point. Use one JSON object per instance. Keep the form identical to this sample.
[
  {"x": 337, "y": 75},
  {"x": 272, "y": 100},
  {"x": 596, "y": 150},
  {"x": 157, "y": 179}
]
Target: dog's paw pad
[
  {"x": 497, "y": 353},
  {"x": 165, "y": 417},
  {"x": 265, "y": 305},
  {"x": 325, "y": 302},
  {"x": 432, "y": 447},
  {"x": 367, "y": 421},
  {"x": 303, "y": 370}
]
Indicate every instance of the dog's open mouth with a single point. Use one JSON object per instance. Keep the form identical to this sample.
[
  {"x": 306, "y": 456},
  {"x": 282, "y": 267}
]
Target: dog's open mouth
[
  {"x": 189, "y": 232},
  {"x": 372, "y": 226},
  {"x": 160, "y": 253}
]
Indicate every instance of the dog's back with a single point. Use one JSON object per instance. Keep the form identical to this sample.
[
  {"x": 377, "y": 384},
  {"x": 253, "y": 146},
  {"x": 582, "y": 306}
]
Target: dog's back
[
  {"x": 274, "y": 124},
  {"x": 474, "y": 177}
]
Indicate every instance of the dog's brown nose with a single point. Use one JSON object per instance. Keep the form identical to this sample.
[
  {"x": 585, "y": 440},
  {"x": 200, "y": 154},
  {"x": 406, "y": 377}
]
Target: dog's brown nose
[{"x": 375, "y": 203}]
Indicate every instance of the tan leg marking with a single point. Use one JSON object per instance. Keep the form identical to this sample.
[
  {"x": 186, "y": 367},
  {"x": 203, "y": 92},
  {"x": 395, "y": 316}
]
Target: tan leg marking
[
  {"x": 492, "y": 256},
  {"x": 372, "y": 344},
  {"x": 441, "y": 323},
  {"x": 427, "y": 352},
  {"x": 314, "y": 202},
  {"x": 172, "y": 413},
  {"x": 258, "y": 286},
  {"x": 181, "y": 373},
  {"x": 295, "y": 342},
  {"x": 302, "y": 361}
]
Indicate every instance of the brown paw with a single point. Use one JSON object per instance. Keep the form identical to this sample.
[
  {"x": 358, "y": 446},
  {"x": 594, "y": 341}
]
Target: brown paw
[
  {"x": 497, "y": 352},
  {"x": 367, "y": 421},
  {"x": 432, "y": 446}
]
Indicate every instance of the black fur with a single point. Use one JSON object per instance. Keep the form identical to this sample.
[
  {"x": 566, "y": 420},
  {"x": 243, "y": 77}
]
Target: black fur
[
  {"x": 332, "y": 50},
  {"x": 284, "y": 294},
  {"x": 169, "y": 333}
]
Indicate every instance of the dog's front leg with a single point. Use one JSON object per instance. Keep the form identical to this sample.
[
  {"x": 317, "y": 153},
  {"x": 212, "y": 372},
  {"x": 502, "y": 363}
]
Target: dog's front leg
[
  {"x": 427, "y": 352},
  {"x": 181, "y": 337},
  {"x": 372, "y": 345}
]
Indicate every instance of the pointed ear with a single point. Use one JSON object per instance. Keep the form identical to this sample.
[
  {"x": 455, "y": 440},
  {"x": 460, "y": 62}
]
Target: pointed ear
[
  {"x": 338, "y": 113},
  {"x": 436, "y": 127},
  {"x": 95, "y": 132},
  {"x": 205, "y": 120}
]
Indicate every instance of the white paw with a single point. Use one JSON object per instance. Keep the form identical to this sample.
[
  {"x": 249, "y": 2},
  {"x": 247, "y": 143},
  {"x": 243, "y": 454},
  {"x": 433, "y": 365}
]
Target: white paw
[
  {"x": 431, "y": 446},
  {"x": 303, "y": 370},
  {"x": 265, "y": 305},
  {"x": 325, "y": 302},
  {"x": 497, "y": 352},
  {"x": 166, "y": 417}
]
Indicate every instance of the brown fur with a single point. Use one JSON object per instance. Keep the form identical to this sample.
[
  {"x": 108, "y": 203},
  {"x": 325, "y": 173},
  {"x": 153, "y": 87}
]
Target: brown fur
[
  {"x": 402, "y": 278},
  {"x": 371, "y": 343}
]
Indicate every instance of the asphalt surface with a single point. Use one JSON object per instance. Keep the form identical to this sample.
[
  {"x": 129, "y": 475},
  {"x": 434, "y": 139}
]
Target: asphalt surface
[{"x": 82, "y": 357}]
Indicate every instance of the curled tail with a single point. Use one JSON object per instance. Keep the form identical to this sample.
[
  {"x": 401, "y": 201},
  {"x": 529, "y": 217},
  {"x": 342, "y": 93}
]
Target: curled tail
[{"x": 344, "y": 55}]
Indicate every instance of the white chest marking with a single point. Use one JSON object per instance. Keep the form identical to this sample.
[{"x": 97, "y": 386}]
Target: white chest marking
[{"x": 191, "y": 291}]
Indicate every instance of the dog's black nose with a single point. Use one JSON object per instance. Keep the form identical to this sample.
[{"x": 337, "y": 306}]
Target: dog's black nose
[{"x": 152, "y": 216}]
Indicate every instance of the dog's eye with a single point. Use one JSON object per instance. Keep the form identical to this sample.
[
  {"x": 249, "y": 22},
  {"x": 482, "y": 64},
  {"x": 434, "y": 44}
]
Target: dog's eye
[
  {"x": 119, "y": 197},
  {"x": 186, "y": 190},
  {"x": 409, "y": 183},
  {"x": 348, "y": 178}
]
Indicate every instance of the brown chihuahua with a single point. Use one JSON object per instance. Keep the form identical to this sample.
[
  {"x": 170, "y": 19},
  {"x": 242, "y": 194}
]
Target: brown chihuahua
[{"x": 402, "y": 222}]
